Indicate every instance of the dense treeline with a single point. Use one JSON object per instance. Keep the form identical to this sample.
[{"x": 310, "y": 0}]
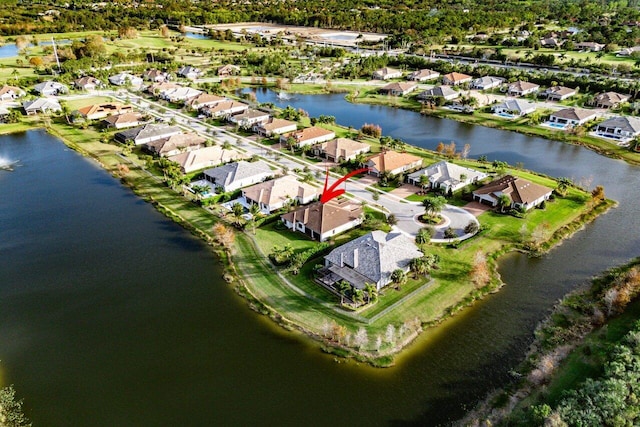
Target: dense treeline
[{"x": 422, "y": 22}]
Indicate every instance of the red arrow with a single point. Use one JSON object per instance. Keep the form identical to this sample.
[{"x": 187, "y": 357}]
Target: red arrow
[{"x": 331, "y": 192}]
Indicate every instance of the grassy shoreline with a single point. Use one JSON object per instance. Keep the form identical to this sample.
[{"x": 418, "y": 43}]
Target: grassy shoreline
[{"x": 270, "y": 292}]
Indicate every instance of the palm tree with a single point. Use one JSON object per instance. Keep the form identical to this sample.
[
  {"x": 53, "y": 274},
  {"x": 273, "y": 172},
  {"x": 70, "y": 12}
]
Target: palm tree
[
  {"x": 433, "y": 205},
  {"x": 255, "y": 212},
  {"x": 343, "y": 289},
  {"x": 372, "y": 291},
  {"x": 238, "y": 211},
  {"x": 424, "y": 235},
  {"x": 424, "y": 181},
  {"x": 504, "y": 202},
  {"x": 563, "y": 185},
  {"x": 399, "y": 277}
]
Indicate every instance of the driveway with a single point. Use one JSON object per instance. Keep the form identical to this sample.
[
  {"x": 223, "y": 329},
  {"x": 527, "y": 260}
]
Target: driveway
[
  {"x": 476, "y": 208},
  {"x": 405, "y": 190}
]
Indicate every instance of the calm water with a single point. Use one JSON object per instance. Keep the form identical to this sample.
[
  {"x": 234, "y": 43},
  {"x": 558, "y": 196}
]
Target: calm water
[
  {"x": 111, "y": 315},
  {"x": 10, "y": 50}
]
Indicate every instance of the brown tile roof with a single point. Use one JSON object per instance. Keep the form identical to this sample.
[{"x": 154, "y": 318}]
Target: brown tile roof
[
  {"x": 522, "y": 86},
  {"x": 391, "y": 160},
  {"x": 306, "y": 134},
  {"x": 560, "y": 90},
  {"x": 273, "y": 124},
  {"x": 204, "y": 157},
  {"x": 132, "y": 117},
  {"x": 456, "y": 77},
  {"x": 106, "y": 109},
  {"x": 574, "y": 113},
  {"x": 343, "y": 147},
  {"x": 279, "y": 190},
  {"x": 611, "y": 98},
  {"x": 7, "y": 88},
  {"x": 176, "y": 142},
  {"x": 518, "y": 189},
  {"x": 225, "y": 106},
  {"x": 322, "y": 218},
  {"x": 398, "y": 87},
  {"x": 206, "y": 98}
]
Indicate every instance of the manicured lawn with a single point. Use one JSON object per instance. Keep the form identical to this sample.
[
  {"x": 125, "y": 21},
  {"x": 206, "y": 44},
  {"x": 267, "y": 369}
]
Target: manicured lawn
[{"x": 75, "y": 104}]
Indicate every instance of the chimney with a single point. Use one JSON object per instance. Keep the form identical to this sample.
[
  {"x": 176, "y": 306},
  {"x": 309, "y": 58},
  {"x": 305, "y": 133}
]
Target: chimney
[
  {"x": 341, "y": 259},
  {"x": 355, "y": 258},
  {"x": 260, "y": 195},
  {"x": 300, "y": 193},
  {"x": 343, "y": 153},
  {"x": 306, "y": 216}
]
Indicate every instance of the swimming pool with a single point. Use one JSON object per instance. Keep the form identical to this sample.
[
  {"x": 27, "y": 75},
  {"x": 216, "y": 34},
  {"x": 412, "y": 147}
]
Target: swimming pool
[
  {"x": 556, "y": 125},
  {"x": 505, "y": 115}
]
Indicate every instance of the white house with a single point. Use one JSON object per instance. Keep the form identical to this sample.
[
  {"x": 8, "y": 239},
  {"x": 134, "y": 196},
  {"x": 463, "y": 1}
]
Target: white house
[
  {"x": 277, "y": 193},
  {"x": 387, "y": 73},
  {"x": 523, "y": 193},
  {"x": 206, "y": 157},
  {"x": 392, "y": 162},
  {"x": 9, "y": 93},
  {"x": 446, "y": 176},
  {"x": 249, "y": 117},
  {"x": 50, "y": 88},
  {"x": 619, "y": 127},
  {"x": 486, "y": 82},
  {"x": 423, "y": 75},
  {"x": 572, "y": 116},
  {"x": 558, "y": 93},
  {"x": 189, "y": 72},
  {"x": 308, "y": 136},
  {"x": 445, "y": 92},
  {"x": 522, "y": 88},
  {"x": 233, "y": 176},
  {"x": 274, "y": 126},
  {"x": 456, "y": 79},
  {"x": 41, "y": 105},
  {"x": 320, "y": 221},
  {"x": 515, "y": 107},
  {"x": 122, "y": 79}
]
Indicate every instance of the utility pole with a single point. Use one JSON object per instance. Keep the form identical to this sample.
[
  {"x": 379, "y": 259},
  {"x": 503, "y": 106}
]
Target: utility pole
[{"x": 55, "y": 53}]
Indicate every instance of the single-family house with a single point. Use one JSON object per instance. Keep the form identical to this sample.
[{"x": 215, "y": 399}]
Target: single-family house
[
  {"x": 572, "y": 116},
  {"x": 249, "y": 117},
  {"x": 522, "y": 88},
  {"x": 386, "y": 73},
  {"x": 123, "y": 79},
  {"x": 4, "y": 113},
  {"x": 446, "y": 176},
  {"x": 147, "y": 133},
  {"x": 398, "y": 89},
  {"x": 320, "y": 221},
  {"x": 456, "y": 79},
  {"x": 423, "y": 75},
  {"x": 87, "y": 83},
  {"x": 122, "y": 121},
  {"x": 445, "y": 92},
  {"x": 274, "y": 126},
  {"x": 628, "y": 51},
  {"x": 8, "y": 93},
  {"x": 392, "y": 162},
  {"x": 486, "y": 82},
  {"x": 159, "y": 88},
  {"x": 341, "y": 149},
  {"x": 206, "y": 157},
  {"x": 205, "y": 100},
  {"x": 619, "y": 127},
  {"x": 558, "y": 93},
  {"x": 551, "y": 42},
  {"x": 41, "y": 105},
  {"x": 50, "y": 88},
  {"x": 280, "y": 192},
  {"x": 371, "y": 258},
  {"x": 224, "y": 109},
  {"x": 514, "y": 107},
  {"x": 233, "y": 176},
  {"x": 523, "y": 194},
  {"x": 308, "y": 136},
  {"x": 189, "y": 72},
  {"x": 228, "y": 70},
  {"x": 176, "y": 144},
  {"x": 100, "y": 111},
  {"x": 155, "y": 75},
  {"x": 590, "y": 46},
  {"x": 610, "y": 99},
  {"x": 179, "y": 94}
]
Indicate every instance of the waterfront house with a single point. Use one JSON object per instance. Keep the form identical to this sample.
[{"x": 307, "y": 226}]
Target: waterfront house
[
  {"x": 445, "y": 92},
  {"x": 320, "y": 221},
  {"x": 4, "y": 114},
  {"x": 280, "y": 192},
  {"x": 386, "y": 73},
  {"x": 249, "y": 117},
  {"x": 126, "y": 120},
  {"x": 205, "y": 157},
  {"x": 274, "y": 126},
  {"x": 446, "y": 176},
  {"x": 371, "y": 258},
  {"x": 392, "y": 162},
  {"x": 176, "y": 144},
  {"x": 189, "y": 72},
  {"x": 228, "y": 70},
  {"x": 619, "y": 127},
  {"x": 340, "y": 149},
  {"x": 123, "y": 79},
  {"x": 155, "y": 75},
  {"x": 9, "y": 93},
  {"x": 398, "y": 89},
  {"x": 589, "y": 46},
  {"x": 486, "y": 82},
  {"x": 100, "y": 111},
  {"x": 456, "y": 79},
  {"x": 610, "y": 99},
  {"x": 514, "y": 107},
  {"x": 572, "y": 116},
  {"x": 522, "y": 88},
  {"x": 233, "y": 176},
  {"x": 523, "y": 194},
  {"x": 204, "y": 100},
  {"x": 423, "y": 75},
  {"x": 308, "y": 136},
  {"x": 224, "y": 109},
  {"x": 41, "y": 105},
  {"x": 87, "y": 83},
  {"x": 558, "y": 93},
  {"x": 50, "y": 88},
  {"x": 147, "y": 133}
]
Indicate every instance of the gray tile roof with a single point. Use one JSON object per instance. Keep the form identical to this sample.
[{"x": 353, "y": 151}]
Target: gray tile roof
[
  {"x": 375, "y": 255},
  {"x": 236, "y": 171},
  {"x": 147, "y": 131},
  {"x": 626, "y": 123}
]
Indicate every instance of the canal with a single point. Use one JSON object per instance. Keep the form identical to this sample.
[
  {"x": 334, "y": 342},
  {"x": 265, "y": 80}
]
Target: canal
[{"x": 112, "y": 315}]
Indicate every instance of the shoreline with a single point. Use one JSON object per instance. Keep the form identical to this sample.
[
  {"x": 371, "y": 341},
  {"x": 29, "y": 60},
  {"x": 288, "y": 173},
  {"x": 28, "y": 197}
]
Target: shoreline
[{"x": 248, "y": 290}]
